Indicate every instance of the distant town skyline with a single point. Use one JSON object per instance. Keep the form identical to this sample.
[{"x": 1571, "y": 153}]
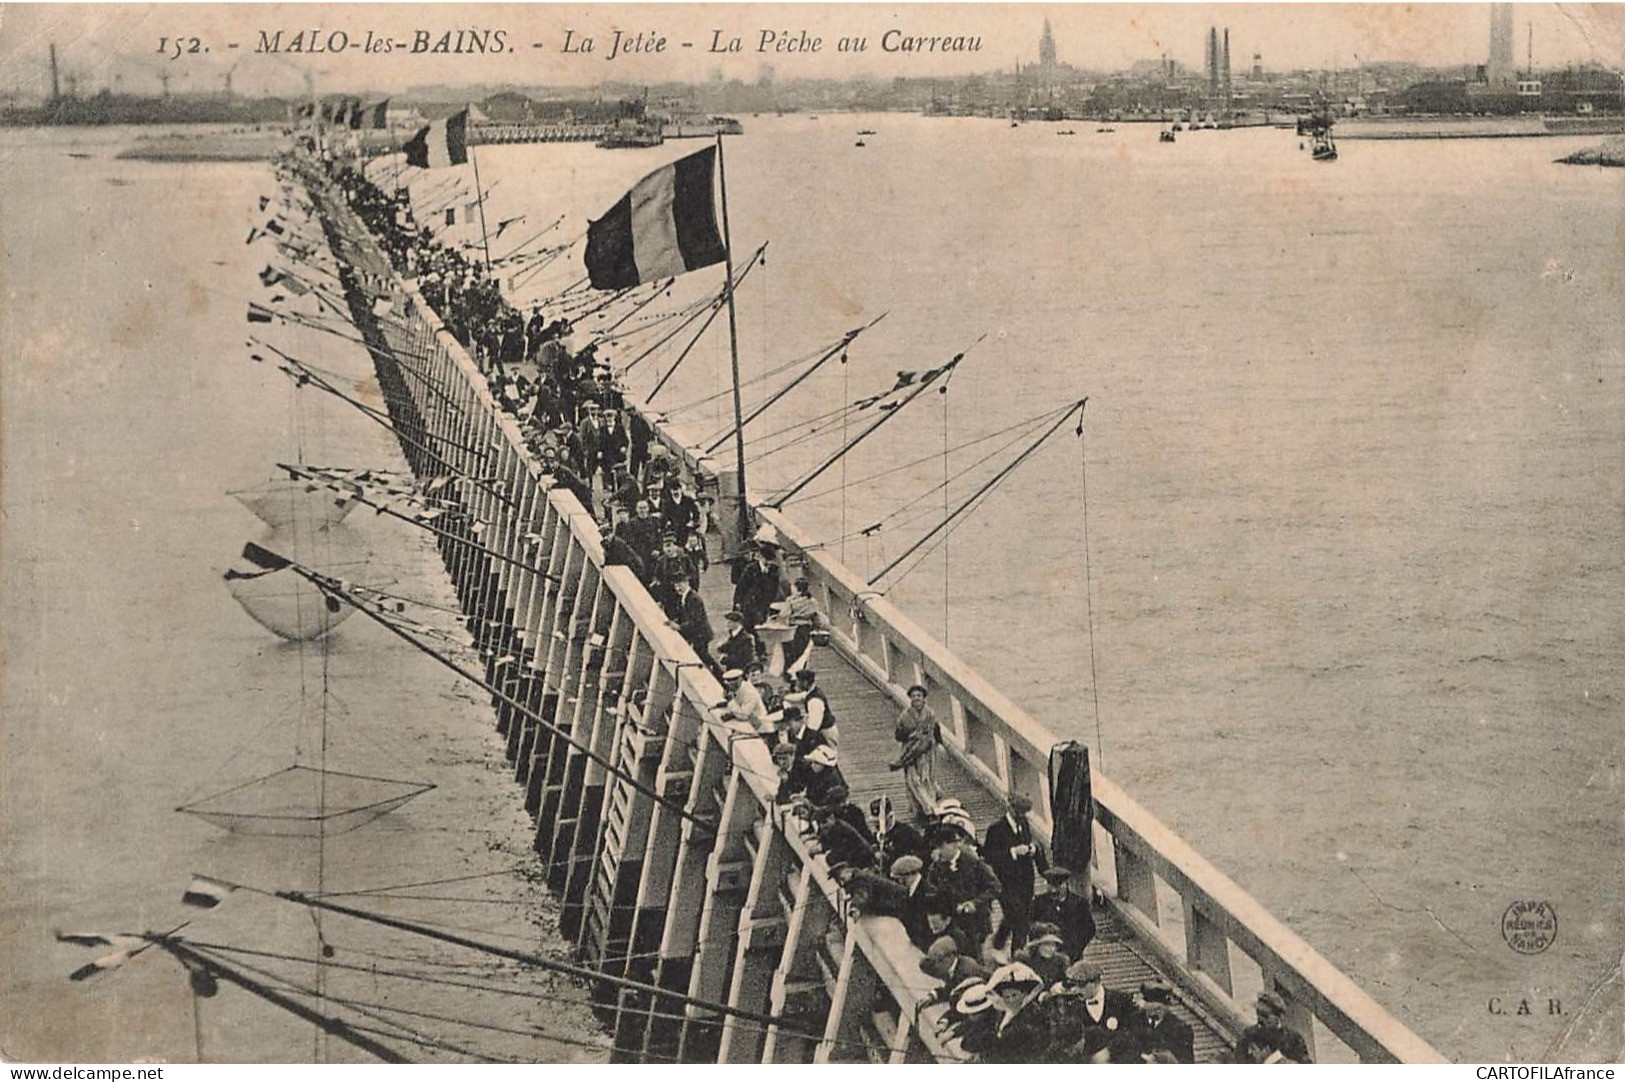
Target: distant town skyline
[{"x": 117, "y": 47}]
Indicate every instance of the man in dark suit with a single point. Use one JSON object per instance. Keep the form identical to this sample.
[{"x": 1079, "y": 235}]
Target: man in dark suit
[
  {"x": 1160, "y": 1027},
  {"x": 1016, "y": 858},
  {"x": 1067, "y": 909},
  {"x": 689, "y": 617},
  {"x": 587, "y": 443},
  {"x": 1086, "y": 1016}
]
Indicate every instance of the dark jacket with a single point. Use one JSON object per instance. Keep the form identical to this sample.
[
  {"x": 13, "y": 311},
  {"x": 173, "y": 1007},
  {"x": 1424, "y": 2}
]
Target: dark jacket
[
  {"x": 1071, "y": 915},
  {"x": 1079, "y": 1036},
  {"x": 1022, "y": 1039},
  {"x": 688, "y": 613},
  {"x": 815, "y": 785},
  {"x": 1172, "y": 1033},
  {"x": 1016, "y": 874},
  {"x": 755, "y": 590},
  {"x": 738, "y": 650},
  {"x": 1287, "y": 1042}
]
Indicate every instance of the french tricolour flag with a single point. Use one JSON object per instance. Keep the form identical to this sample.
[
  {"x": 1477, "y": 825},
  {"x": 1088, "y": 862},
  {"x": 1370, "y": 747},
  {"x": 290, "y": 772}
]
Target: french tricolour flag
[
  {"x": 664, "y": 226},
  {"x": 441, "y": 144}
]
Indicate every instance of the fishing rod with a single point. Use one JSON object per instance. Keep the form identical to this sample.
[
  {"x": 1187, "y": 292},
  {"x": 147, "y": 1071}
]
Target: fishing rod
[
  {"x": 887, "y": 414},
  {"x": 846, "y": 341},
  {"x": 634, "y": 310},
  {"x": 656, "y": 320},
  {"x": 694, "y": 313},
  {"x": 542, "y": 962},
  {"x": 716, "y": 305},
  {"x": 387, "y": 1015},
  {"x": 260, "y": 313},
  {"x": 458, "y": 194},
  {"x": 311, "y": 474},
  {"x": 303, "y": 375},
  {"x": 552, "y": 254},
  {"x": 763, "y": 377},
  {"x": 528, "y": 241},
  {"x": 1077, "y": 407},
  {"x": 334, "y": 588},
  {"x": 327, "y": 1024}
]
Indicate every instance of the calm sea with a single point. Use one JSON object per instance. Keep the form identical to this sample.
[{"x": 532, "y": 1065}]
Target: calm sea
[{"x": 1355, "y": 496}]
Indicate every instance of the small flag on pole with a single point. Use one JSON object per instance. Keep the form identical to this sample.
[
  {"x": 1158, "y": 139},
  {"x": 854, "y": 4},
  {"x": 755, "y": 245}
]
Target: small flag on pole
[
  {"x": 203, "y": 892},
  {"x": 100, "y": 939},
  {"x": 126, "y": 945},
  {"x": 443, "y": 143},
  {"x": 664, "y": 226},
  {"x": 253, "y": 563}
]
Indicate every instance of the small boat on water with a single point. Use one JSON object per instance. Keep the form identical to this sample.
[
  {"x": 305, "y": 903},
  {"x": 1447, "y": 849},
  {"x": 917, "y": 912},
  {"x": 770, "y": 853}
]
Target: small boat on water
[
  {"x": 1166, "y": 137},
  {"x": 860, "y": 143},
  {"x": 627, "y": 134},
  {"x": 1324, "y": 149},
  {"x": 866, "y": 131}
]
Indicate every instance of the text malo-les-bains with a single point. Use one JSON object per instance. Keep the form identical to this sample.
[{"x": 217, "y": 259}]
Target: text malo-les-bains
[{"x": 317, "y": 40}]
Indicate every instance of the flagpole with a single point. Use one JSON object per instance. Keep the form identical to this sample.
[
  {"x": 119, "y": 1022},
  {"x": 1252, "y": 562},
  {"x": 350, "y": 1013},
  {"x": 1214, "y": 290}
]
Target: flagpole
[
  {"x": 479, "y": 196},
  {"x": 733, "y": 349}
]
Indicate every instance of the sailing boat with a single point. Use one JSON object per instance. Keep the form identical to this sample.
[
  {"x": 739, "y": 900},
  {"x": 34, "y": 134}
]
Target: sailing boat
[{"x": 1323, "y": 149}]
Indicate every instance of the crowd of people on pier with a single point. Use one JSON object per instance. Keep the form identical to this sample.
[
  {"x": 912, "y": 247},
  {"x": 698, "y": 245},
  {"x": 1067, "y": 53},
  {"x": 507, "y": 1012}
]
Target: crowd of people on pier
[{"x": 1009, "y": 960}]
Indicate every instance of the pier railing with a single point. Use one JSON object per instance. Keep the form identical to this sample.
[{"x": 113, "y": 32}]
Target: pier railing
[
  {"x": 656, "y": 820},
  {"x": 1193, "y": 917}
]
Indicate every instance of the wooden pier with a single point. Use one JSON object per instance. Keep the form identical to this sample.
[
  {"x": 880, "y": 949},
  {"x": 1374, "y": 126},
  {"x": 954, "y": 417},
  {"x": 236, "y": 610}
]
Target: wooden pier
[{"x": 656, "y": 820}]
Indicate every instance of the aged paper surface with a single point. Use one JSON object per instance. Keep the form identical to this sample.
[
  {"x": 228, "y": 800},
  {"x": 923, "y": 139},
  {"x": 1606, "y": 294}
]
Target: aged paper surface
[{"x": 1351, "y": 623}]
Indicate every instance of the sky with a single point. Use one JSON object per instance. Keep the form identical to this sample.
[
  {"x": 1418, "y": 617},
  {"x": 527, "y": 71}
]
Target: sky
[{"x": 117, "y": 46}]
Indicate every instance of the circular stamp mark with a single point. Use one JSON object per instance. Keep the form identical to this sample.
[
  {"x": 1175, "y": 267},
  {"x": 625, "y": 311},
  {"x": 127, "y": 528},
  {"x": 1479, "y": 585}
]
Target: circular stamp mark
[{"x": 1529, "y": 927}]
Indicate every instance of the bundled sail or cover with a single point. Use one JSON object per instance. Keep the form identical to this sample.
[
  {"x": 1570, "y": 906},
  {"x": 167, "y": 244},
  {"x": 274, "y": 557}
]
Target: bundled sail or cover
[
  {"x": 441, "y": 144},
  {"x": 664, "y": 226},
  {"x": 1071, "y": 805}
]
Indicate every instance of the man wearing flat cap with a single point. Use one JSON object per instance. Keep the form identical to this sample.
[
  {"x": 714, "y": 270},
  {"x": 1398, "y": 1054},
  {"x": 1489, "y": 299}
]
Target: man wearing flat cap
[
  {"x": 908, "y": 872},
  {"x": 1270, "y": 1041},
  {"x": 738, "y": 648},
  {"x": 1016, "y": 858},
  {"x": 1085, "y": 1015},
  {"x": 1160, "y": 1027},
  {"x": 1066, "y": 907}
]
